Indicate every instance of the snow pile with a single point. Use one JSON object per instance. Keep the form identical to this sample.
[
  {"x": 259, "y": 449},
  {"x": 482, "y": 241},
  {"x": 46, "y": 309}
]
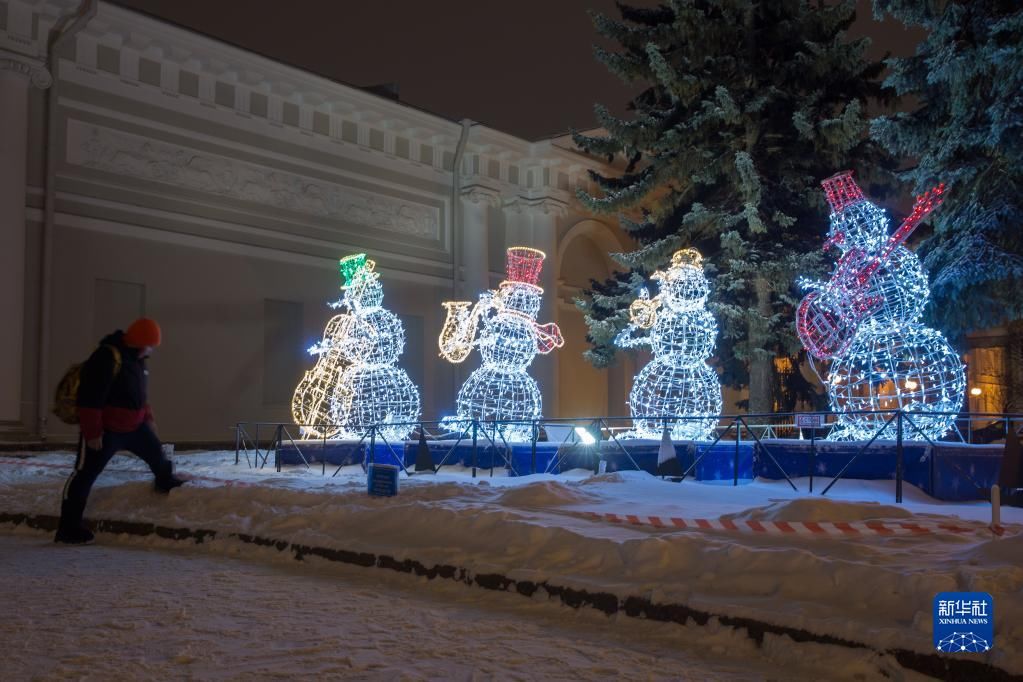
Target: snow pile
[
  {"x": 546, "y": 494},
  {"x": 822, "y": 509},
  {"x": 876, "y": 590}
]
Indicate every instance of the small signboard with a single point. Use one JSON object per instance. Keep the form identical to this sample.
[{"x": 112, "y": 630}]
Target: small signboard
[
  {"x": 382, "y": 479},
  {"x": 810, "y": 421}
]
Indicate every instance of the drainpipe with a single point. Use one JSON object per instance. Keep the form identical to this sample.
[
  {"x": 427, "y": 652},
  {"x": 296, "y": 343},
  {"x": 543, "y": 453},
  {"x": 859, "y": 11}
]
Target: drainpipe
[
  {"x": 59, "y": 36},
  {"x": 457, "y": 286}
]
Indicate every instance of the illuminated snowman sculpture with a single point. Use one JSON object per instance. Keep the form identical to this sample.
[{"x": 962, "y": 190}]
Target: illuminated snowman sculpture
[
  {"x": 863, "y": 325},
  {"x": 508, "y": 339},
  {"x": 357, "y": 382},
  {"x": 678, "y": 383}
]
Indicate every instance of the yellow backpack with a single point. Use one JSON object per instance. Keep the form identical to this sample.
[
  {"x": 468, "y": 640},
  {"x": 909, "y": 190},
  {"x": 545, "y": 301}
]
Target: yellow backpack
[{"x": 65, "y": 401}]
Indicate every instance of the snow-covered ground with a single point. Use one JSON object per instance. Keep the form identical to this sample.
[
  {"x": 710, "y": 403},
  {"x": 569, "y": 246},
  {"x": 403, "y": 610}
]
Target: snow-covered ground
[
  {"x": 875, "y": 590},
  {"x": 143, "y": 612}
]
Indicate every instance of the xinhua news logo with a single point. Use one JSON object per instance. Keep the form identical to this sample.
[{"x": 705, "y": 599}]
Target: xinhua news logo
[{"x": 964, "y": 622}]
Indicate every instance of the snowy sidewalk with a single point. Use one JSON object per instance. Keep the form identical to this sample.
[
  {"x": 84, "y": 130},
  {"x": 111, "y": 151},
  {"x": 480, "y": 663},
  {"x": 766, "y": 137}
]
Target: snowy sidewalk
[
  {"x": 873, "y": 590},
  {"x": 131, "y": 612}
]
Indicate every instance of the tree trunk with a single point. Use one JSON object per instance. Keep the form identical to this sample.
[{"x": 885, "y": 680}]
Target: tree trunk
[{"x": 761, "y": 363}]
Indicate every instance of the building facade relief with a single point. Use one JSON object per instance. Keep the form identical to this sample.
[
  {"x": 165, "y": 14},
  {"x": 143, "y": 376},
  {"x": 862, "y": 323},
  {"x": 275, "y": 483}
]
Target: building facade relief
[{"x": 138, "y": 157}]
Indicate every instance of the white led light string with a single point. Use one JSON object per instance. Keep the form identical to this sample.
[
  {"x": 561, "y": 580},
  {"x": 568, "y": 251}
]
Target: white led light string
[
  {"x": 502, "y": 326},
  {"x": 357, "y": 382},
  {"x": 865, "y": 322},
  {"x": 678, "y": 382}
]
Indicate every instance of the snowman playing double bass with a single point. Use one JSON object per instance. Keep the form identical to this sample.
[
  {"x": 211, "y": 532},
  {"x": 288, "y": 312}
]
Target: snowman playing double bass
[{"x": 357, "y": 382}]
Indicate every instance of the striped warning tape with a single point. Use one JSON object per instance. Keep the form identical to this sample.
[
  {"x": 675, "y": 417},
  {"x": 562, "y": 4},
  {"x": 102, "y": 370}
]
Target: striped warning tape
[{"x": 805, "y": 528}]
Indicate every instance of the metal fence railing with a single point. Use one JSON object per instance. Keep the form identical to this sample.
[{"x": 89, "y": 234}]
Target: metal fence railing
[{"x": 261, "y": 443}]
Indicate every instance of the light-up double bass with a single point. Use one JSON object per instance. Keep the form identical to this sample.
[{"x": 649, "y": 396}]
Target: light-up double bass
[{"x": 357, "y": 382}]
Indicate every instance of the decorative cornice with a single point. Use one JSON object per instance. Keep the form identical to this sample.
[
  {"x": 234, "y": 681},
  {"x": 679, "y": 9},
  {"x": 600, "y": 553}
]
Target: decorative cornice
[
  {"x": 144, "y": 59},
  {"x": 112, "y": 151},
  {"x": 221, "y": 77},
  {"x": 544, "y": 204},
  {"x": 479, "y": 194},
  {"x": 37, "y": 74}
]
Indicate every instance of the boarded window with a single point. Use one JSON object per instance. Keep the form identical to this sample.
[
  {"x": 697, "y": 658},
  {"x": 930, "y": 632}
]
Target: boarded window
[
  {"x": 401, "y": 147},
  {"x": 188, "y": 83},
  {"x": 149, "y": 72},
  {"x": 283, "y": 355},
  {"x": 108, "y": 59},
  {"x": 257, "y": 104},
  {"x": 349, "y": 132},
  {"x": 376, "y": 139},
  {"x": 426, "y": 154},
  {"x": 321, "y": 123},
  {"x": 290, "y": 114},
  {"x": 224, "y": 94}
]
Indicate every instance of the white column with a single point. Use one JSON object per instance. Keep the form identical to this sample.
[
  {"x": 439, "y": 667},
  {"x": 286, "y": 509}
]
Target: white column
[
  {"x": 518, "y": 223},
  {"x": 545, "y": 213},
  {"x": 476, "y": 204},
  {"x": 16, "y": 74}
]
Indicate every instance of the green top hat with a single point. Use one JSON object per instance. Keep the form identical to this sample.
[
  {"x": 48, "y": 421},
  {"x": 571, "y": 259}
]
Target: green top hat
[{"x": 356, "y": 269}]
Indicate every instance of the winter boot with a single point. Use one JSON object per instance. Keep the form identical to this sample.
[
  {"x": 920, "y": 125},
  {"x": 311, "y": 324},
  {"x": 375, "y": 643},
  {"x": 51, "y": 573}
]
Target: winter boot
[
  {"x": 76, "y": 535},
  {"x": 167, "y": 484},
  {"x": 165, "y": 478}
]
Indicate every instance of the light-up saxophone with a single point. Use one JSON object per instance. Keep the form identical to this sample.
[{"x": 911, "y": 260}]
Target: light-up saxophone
[{"x": 458, "y": 336}]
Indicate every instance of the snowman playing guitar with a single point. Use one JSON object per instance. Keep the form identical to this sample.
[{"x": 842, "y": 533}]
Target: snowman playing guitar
[{"x": 827, "y": 319}]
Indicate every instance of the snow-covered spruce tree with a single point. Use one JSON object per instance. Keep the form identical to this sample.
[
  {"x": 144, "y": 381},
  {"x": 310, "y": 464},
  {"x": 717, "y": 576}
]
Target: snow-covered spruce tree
[
  {"x": 747, "y": 106},
  {"x": 967, "y": 132}
]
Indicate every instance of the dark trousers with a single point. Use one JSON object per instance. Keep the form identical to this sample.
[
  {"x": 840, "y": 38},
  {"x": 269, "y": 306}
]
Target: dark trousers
[{"x": 141, "y": 442}]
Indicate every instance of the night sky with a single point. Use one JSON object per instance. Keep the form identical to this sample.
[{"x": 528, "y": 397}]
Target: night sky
[{"x": 524, "y": 67}]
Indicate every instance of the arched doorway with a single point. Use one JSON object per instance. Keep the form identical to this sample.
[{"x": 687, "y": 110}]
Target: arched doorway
[{"x": 585, "y": 391}]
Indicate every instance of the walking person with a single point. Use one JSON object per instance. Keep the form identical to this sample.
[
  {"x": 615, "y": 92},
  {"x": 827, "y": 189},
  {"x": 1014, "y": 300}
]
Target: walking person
[{"x": 114, "y": 415}]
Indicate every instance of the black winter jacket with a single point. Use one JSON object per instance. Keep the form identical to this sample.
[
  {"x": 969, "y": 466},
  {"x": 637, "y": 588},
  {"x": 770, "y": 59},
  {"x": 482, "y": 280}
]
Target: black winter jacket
[{"x": 109, "y": 401}]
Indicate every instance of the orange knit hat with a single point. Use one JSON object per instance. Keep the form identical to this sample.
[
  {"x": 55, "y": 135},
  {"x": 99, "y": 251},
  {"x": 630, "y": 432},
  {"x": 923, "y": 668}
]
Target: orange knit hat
[{"x": 142, "y": 332}]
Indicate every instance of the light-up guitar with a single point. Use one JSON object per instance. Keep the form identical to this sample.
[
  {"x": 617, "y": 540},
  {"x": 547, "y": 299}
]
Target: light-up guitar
[{"x": 827, "y": 319}]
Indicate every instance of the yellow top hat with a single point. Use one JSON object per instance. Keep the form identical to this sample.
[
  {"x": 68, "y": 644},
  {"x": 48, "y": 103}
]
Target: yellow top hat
[{"x": 685, "y": 258}]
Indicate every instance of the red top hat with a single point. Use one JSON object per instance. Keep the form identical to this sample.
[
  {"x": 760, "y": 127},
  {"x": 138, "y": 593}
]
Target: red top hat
[
  {"x": 524, "y": 264},
  {"x": 842, "y": 190}
]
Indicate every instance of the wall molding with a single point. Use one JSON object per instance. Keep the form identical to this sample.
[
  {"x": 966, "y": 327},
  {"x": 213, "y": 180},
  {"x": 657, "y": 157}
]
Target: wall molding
[
  {"x": 399, "y": 268},
  {"x": 34, "y": 71},
  {"x": 100, "y": 148}
]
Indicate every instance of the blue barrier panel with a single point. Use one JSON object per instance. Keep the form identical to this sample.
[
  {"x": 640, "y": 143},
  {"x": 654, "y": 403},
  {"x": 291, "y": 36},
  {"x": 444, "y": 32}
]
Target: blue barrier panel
[
  {"x": 718, "y": 462},
  {"x": 460, "y": 454},
  {"x": 522, "y": 458},
  {"x": 876, "y": 462},
  {"x": 335, "y": 452},
  {"x": 955, "y": 464}
]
